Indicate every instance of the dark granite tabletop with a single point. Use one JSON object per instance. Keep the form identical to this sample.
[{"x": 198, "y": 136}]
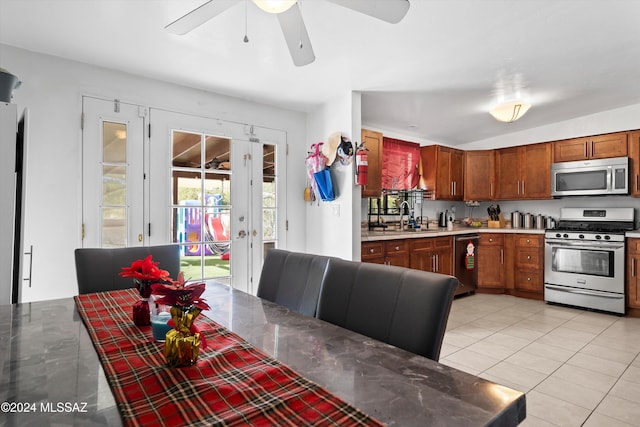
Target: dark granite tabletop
[{"x": 50, "y": 373}]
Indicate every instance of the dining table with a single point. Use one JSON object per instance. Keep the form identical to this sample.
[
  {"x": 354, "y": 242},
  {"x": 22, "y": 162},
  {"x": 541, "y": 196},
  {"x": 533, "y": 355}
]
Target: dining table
[{"x": 51, "y": 373}]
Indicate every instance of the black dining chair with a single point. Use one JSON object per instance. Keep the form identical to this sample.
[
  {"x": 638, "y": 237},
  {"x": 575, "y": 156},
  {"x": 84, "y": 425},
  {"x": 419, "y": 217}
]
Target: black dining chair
[
  {"x": 400, "y": 306},
  {"x": 98, "y": 269},
  {"x": 292, "y": 279}
]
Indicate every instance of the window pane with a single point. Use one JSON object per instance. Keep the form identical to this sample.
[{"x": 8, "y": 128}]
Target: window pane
[
  {"x": 269, "y": 194},
  {"x": 269, "y": 224},
  {"x": 217, "y": 188},
  {"x": 217, "y": 151},
  {"x": 187, "y": 149},
  {"x": 114, "y": 185},
  {"x": 187, "y": 188},
  {"x": 114, "y": 227},
  {"x": 114, "y": 142}
]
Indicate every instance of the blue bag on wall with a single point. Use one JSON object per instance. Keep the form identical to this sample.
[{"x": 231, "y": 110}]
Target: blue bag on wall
[{"x": 325, "y": 185}]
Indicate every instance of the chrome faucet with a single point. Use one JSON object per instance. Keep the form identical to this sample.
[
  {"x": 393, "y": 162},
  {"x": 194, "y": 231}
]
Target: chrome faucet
[{"x": 402, "y": 212}]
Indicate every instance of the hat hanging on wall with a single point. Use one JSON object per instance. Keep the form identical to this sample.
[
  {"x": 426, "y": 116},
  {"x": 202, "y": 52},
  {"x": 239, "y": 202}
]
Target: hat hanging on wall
[{"x": 330, "y": 148}]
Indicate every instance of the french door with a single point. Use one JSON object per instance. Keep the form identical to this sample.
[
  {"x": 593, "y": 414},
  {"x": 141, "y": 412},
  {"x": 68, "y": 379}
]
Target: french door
[
  {"x": 213, "y": 187},
  {"x": 112, "y": 173},
  {"x": 214, "y": 191}
]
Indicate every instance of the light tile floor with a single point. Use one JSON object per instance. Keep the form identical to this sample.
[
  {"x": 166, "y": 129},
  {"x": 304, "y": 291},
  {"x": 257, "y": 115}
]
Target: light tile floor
[{"x": 578, "y": 368}]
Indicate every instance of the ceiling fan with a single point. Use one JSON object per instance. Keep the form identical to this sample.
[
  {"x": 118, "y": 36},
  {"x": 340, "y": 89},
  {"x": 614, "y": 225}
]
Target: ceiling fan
[{"x": 290, "y": 18}]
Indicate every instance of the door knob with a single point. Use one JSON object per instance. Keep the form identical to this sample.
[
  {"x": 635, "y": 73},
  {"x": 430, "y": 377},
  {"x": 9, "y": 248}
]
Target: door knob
[{"x": 242, "y": 234}]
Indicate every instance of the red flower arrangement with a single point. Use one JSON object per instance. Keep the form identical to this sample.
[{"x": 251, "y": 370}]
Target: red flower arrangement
[
  {"x": 144, "y": 272},
  {"x": 182, "y": 344},
  {"x": 180, "y": 294}
]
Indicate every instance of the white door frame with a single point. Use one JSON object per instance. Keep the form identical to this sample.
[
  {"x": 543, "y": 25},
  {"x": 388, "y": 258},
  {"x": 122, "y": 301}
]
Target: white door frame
[
  {"x": 95, "y": 112},
  {"x": 245, "y": 272}
]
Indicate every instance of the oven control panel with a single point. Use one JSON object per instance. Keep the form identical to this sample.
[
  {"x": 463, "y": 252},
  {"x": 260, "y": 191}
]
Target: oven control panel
[{"x": 572, "y": 235}]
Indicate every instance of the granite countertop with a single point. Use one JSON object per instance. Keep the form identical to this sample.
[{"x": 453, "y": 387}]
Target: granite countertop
[{"x": 434, "y": 231}]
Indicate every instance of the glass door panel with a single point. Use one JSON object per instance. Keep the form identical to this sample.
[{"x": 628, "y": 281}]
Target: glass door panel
[{"x": 200, "y": 203}]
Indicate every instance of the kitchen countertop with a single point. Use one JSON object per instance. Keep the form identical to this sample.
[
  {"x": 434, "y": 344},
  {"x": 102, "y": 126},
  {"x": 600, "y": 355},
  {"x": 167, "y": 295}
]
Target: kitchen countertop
[
  {"x": 635, "y": 234},
  {"x": 372, "y": 236}
]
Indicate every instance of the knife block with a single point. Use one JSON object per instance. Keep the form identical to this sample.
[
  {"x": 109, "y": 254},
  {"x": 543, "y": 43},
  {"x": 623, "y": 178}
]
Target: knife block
[{"x": 497, "y": 224}]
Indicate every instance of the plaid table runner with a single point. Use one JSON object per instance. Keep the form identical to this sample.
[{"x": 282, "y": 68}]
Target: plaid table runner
[{"x": 232, "y": 384}]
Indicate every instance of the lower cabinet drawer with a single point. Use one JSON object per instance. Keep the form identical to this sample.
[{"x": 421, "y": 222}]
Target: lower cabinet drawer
[
  {"x": 372, "y": 250},
  {"x": 529, "y": 281}
]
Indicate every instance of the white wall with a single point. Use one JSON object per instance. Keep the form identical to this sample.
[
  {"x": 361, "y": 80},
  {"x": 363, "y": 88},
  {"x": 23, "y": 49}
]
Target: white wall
[
  {"x": 625, "y": 118},
  {"x": 52, "y": 89},
  {"x": 330, "y": 225}
]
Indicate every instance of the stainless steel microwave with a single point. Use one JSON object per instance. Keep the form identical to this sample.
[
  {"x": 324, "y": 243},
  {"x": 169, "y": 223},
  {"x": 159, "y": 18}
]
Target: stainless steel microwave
[{"x": 590, "y": 177}]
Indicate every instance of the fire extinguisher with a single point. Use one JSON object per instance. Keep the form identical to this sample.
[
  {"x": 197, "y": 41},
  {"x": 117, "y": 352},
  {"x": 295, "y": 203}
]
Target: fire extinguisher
[{"x": 362, "y": 165}]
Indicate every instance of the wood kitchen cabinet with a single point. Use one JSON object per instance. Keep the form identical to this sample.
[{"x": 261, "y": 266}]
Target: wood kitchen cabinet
[
  {"x": 529, "y": 266},
  {"x": 633, "y": 275},
  {"x": 373, "y": 142},
  {"x": 634, "y": 163},
  {"x": 479, "y": 166},
  {"x": 523, "y": 172},
  {"x": 492, "y": 263},
  {"x": 442, "y": 172},
  {"x": 434, "y": 254},
  {"x": 591, "y": 147},
  {"x": 390, "y": 252}
]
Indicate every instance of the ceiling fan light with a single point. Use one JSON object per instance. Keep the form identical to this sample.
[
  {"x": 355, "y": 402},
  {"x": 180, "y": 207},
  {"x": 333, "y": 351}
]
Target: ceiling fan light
[
  {"x": 274, "y": 6},
  {"x": 511, "y": 111}
]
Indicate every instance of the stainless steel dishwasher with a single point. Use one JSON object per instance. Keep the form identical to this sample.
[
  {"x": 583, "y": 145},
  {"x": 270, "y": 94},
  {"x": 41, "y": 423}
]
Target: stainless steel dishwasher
[{"x": 465, "y": 262}]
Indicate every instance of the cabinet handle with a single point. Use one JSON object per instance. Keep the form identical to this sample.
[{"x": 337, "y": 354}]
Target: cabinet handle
[
  {"x": 633, "y": 268},
  {"x": 586, "y": 154},
  {"x": 371, "y": 250},
  {"x": 591, "y": 154},
  {"x": 397, "y": 248},
  {"x": 455, "y": 188},
  {"x": 490, "y": 239},
  {"x": 523, "y": 193},
  {"x": 528, "y": 257},
  {"x": 437, "y": 266},
  {"x": 451, "y": 188},
  {"x": 491, "y": 189},
  {"x": 528, "y": 241},
  {"x": 637, "y": 182},
  {"x": 502, "y": 256},
  {"x": 30, "y": 253}
]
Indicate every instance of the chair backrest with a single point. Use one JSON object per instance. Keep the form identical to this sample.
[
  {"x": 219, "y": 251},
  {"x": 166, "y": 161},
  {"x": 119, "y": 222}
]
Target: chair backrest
[
  {"x": 98, "y": 269},
  {"x": 400, "y": 306},
  {"x": 292, "y": 279}
]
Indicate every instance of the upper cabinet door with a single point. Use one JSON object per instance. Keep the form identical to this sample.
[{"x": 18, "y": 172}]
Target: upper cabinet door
[
  {"x": 373, "y": 142},
  {"x": 442, "y": 172},
  {"x": 507, "y": 174},
  {"x": 591, "y": 147},
  {"x": 634, "y": 163},
  {"x": 523, "y": 172},
  {"x": 479, "y": 169},
  {"x": 535, "y": 171}
]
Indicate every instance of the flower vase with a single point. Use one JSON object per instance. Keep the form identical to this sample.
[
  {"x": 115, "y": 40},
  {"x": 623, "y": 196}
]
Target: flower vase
[
  {"x": 182, "y": 346},
  {"x": 141, "y": 312}
]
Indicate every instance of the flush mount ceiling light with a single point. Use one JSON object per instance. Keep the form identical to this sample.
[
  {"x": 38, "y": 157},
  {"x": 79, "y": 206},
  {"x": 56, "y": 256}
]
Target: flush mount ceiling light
[
  {"x": 274, "y": 6},
  {"x": 511, "y": 111}
]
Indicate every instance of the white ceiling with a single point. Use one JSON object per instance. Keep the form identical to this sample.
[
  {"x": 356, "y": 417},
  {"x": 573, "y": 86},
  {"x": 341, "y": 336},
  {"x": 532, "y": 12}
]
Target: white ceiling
[{"x": 433, "y": 76}]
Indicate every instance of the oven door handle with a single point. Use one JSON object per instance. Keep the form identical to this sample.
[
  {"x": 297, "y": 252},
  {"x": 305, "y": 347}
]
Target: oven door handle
[
  {"x": 584, "y": 292},
  {"x": 585, "y": 245}
]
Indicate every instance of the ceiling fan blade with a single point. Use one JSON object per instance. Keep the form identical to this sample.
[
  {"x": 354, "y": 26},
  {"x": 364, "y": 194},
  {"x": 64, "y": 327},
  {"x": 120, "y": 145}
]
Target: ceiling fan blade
[
  {"x": 199, "y": 16},
  {"x": 391, "y": 11},
  {"x": 295, "y": 33}
]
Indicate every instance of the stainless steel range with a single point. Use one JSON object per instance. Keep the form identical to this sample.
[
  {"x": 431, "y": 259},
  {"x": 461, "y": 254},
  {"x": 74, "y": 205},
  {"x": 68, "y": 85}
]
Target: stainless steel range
[{"x": 585, "y": 256}]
